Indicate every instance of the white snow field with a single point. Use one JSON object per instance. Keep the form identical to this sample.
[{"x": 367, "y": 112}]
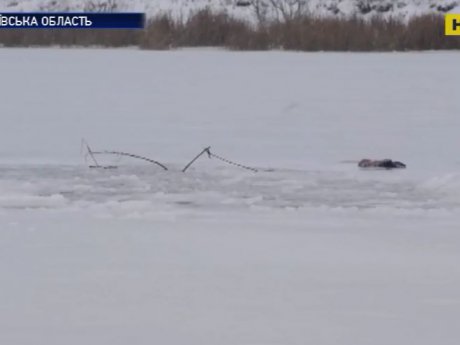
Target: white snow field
[{"x": 314, "y": 251}]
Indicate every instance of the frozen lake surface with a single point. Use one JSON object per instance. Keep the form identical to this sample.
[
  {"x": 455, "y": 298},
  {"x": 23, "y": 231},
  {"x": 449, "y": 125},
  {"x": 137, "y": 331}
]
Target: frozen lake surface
[
  {"x": 209, "y": 188},
  {"x": 314, "y": 250}
]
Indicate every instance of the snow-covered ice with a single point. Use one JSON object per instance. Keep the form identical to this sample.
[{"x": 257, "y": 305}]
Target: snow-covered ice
[{"x": 312, "y": 251}]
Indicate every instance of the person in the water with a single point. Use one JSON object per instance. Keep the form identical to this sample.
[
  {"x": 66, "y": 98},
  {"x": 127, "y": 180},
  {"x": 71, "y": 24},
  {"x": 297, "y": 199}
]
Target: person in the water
[{"x": 384, "y": 163}]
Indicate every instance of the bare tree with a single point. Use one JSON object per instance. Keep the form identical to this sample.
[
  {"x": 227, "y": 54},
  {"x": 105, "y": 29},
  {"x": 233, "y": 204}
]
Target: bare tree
[
  {"x": 101, "y": 6},
  {"x": 289, "y": 9},
  {"x": 282, "y": 9},
  {"x": 260, "y": 10}
]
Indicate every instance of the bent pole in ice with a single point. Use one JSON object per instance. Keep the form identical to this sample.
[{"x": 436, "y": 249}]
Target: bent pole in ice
[
  {"x": 89, "y": 152},
  {"x": 212, "y": 155},
  {"x": 228, "y": 161},
  {"x": 118, "y": 153},
  {"x": 205, "y": 150}
]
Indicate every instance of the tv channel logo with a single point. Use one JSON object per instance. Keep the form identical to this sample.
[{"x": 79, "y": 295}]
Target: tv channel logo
[{"x": 452, "y": 24}]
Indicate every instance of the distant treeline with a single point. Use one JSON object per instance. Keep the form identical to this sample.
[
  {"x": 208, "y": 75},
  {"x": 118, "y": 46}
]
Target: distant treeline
[{"x": 303, "y": 33}]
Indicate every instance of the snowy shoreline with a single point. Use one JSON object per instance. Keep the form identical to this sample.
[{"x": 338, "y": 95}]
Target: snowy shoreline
[{"x": 402, "y": 9}]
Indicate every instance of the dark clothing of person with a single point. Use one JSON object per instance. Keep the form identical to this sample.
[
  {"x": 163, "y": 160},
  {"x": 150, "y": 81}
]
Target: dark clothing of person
[{"x": 384, "y": 163}]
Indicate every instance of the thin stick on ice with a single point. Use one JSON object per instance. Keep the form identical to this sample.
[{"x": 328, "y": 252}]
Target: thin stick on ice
[
  {"x": 119, "y": 153},
  {"x": 89, "y": 152},
  {"x": 205, "y": 150},
  {"x": 212, "y": 155}
]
